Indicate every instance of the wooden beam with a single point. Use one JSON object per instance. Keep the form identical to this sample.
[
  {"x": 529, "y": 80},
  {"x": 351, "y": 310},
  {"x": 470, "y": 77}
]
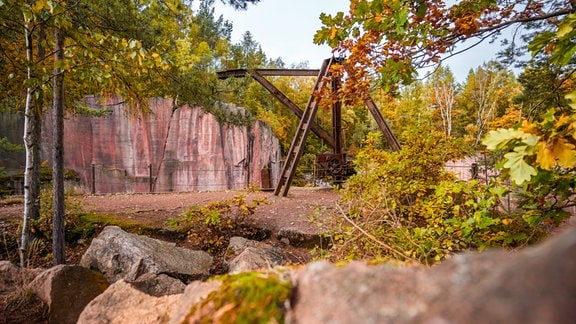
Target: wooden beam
[
  {"x": 382, "y": 124},
  {"x": 240, "y": 73},
  {"x": 319, "y": 131}
]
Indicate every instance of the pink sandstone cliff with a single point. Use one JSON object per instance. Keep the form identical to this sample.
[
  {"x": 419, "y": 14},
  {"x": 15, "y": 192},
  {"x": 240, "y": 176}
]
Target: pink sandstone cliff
[{"x": 184, "y": 149}]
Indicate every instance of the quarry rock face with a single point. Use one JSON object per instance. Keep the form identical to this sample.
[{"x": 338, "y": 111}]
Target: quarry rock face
[{"x": 168, "y": 149}]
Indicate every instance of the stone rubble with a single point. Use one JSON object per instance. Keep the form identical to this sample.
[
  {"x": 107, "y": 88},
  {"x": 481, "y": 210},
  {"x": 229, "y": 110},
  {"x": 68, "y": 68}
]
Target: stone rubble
[{"x": 532, "y": 285}]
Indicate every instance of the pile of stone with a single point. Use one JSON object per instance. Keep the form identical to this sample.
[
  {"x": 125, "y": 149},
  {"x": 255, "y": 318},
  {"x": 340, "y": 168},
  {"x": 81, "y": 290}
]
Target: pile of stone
[{"x": 126, "y": 278}]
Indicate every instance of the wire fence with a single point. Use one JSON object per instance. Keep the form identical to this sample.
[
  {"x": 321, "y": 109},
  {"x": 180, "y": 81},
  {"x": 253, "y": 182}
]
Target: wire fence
[
  {"x": 112, "y": 179},
  {"x": 102, "y": 179},
  {"x": 99, "y": 178}
]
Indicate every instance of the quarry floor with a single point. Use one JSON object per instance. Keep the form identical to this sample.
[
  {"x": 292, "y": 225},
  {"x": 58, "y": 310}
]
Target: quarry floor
[
  {"x": 304, "y": 209},
  {"x": 300, "y": 209}
]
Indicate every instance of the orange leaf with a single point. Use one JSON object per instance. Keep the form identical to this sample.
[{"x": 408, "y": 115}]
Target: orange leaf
[{"x": 558, "y": 151}]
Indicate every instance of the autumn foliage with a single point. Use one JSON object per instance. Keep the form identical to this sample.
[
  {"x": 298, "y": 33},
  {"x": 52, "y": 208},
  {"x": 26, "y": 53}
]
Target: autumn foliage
[
  {"x": 402, "y": 205},
  {"x": 389, "y": 39}
]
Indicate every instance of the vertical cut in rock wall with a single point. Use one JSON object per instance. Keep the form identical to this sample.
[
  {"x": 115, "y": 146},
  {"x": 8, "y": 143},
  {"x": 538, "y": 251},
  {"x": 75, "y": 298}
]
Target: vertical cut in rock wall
[{"x": 179, "y": 149}]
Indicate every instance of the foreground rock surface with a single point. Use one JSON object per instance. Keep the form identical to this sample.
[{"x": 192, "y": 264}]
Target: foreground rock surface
[
  {"x": 67, "y": 290},
  {"x": 535, "y": 285},
  {"x": 120, "y": 255},
  {"x": 122, "y": 303}
]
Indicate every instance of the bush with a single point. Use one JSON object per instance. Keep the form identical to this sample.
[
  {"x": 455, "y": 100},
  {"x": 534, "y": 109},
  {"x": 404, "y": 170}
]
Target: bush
[
  {"x": 210, "y": 227},
  {"x": 405, "y": 205},
  {"x": 74, "y": 225}
]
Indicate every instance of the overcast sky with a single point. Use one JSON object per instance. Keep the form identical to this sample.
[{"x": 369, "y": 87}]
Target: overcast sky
[{"x": 286, "y": 29}]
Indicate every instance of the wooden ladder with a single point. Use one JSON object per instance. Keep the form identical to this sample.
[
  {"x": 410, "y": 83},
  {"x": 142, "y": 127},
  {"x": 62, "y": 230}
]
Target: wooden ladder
[{"x": 299, "y": 140}]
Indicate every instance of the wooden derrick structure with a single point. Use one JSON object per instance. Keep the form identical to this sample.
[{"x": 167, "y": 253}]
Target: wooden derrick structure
[{"x": 333, "y": 163}]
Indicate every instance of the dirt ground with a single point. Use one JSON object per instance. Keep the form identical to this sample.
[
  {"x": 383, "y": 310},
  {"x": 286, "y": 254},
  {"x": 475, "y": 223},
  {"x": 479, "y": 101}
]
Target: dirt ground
[
  {"x": 154, "y": 209},
  {"x": 294, "y": 210},
  {"x": 303, "y": 209}
]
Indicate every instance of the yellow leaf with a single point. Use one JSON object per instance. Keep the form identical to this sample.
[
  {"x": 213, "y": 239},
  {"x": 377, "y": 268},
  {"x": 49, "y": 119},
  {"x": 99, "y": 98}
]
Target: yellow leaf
[
  {"x": 564, "y": 29},
  {"x": 544, "y": 157},
  {"x": 558, "y": 151},
  {"x": 564, "y": 119},
  {"x": 565, "y": 153},
  {"x": 333, "y": 32},
  {"x": 528, "y": 127}
]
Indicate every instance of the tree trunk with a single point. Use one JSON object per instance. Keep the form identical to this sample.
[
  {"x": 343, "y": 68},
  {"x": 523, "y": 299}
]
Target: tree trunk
[
  {"x": 31, "y": 137},
  {"x": 58, "y": 242}
]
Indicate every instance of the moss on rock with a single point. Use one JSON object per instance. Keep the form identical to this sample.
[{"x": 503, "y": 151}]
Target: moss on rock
[{"x": 250, "y": 297}]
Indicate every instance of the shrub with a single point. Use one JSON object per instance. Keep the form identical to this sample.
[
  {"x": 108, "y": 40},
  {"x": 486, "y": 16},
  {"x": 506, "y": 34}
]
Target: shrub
[
  {"x": 210, "y": 227},
  {"x": 405, "y": 205},
  {"x": 74, "y": 225}
]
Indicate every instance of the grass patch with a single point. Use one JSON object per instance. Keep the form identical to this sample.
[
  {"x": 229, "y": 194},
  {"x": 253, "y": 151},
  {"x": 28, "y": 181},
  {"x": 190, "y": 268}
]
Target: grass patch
[{"x": 11, "y": 200}]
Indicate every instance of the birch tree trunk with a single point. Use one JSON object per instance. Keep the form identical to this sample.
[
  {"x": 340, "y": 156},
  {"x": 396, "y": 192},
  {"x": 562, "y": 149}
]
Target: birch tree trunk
[
  {"x": 58, "y": 242},
  {"x": 31, "y": 137}
]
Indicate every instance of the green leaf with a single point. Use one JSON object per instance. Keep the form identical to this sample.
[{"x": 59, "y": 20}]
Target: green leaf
[
  {"x": 563, "y": 56},
  {"x": 520, "y": 171},
  {"x": 540, "y": 41},
  {"x": 571, "y": 98},
  {"x": 421, "y": 10},
  {"x": 498, "y": 139},
  {"x": 326, "y": 19}
]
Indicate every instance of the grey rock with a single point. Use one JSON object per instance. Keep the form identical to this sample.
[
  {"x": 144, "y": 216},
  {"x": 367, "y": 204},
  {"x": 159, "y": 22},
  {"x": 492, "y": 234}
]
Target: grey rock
[
  {"x": 120, "y": 255},
  {"x": 158, "y": 285},
  {"x": 298, "y": 238},
  {"x": 254, "y": 259},
  {"x": 246, "y": 255}
]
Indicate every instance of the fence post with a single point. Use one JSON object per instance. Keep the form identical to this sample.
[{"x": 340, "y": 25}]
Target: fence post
[
  {"x": 474, "y": 170},
  {"x": 93, "y": 178}
]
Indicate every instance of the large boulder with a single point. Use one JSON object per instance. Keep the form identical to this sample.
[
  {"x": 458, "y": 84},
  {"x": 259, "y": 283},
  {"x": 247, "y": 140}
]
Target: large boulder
[
  {"x": 123, "y": 303},
  {"x": 67, "y": 290},
  {"x": 254, "y": 259},
  {"x": 120, "y": 255},
  {"x": 534, "y": 285}
]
